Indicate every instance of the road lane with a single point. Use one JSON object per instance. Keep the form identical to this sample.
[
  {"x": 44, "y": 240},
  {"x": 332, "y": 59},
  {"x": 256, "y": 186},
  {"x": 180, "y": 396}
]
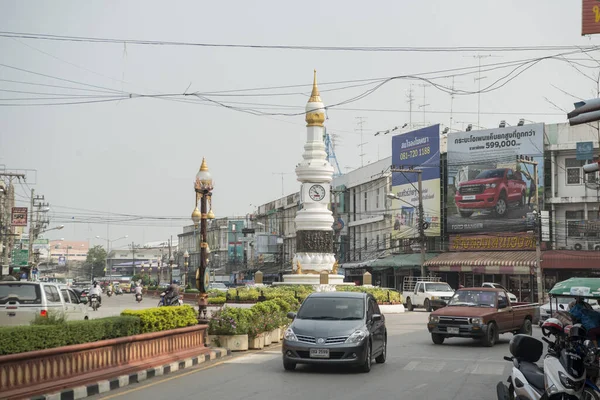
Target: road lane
[{"x": 416, "y": 369}]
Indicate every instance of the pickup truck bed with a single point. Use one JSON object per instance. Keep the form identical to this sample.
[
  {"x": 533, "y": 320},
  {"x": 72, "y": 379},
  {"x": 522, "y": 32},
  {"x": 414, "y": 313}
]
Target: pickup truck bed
[{"x": 481, "y": 319}]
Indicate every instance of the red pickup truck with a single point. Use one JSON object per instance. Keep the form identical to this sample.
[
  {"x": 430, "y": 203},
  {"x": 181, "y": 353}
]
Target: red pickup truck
[
  {"x": 492, "y": 189},
  {"x": 480, "y": 313}
]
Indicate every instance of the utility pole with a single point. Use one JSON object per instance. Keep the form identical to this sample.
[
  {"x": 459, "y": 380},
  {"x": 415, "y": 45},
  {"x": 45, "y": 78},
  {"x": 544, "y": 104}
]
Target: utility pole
[
  {"x": 411, "y": 99},
  {"x": 282, "y": 174},
  {"x": 421, "y": 217},
  {"x": 31, "y": 229},
  {"x": 360, "y": 123},
  {"x": 537, "y": 231},
  {"x": 424, "y": 86},
  {"x": 133, "y": 258}
]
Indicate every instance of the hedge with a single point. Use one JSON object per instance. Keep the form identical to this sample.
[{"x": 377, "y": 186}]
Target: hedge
[
  {"x": 164, "y": 318},
  {"x": 19, "y": 339},
  {"x": 381, "y": 295}
]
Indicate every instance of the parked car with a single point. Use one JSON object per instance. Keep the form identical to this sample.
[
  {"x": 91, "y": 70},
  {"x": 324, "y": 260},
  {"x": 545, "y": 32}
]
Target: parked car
[
  {"x": 491, "y": 190},
  {"x": 336, "y": 328},
  {"x": 480, "y": 313},
  {"x": 21, "y": 302},
  {"x": 75, "y": 307},
  {"x": 428, "y": 293},
  {"x": 217, "y": 286},
  {"x": 511, "y": 297}
]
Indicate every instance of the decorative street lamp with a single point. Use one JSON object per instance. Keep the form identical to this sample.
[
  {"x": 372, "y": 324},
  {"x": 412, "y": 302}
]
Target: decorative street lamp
[
  {"x": 203, "y": 187},
  {"x": 186, "y": 257}
]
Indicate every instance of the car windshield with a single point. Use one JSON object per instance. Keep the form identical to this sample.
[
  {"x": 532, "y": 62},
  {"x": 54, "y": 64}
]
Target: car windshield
[
  {"x": 473, "y": 298},
  {"x": 332, "y": 308},
  {"x": 23, "y": 293},
  {"x": 490, "y": 173},
  {"x": 439, "y": 287}
]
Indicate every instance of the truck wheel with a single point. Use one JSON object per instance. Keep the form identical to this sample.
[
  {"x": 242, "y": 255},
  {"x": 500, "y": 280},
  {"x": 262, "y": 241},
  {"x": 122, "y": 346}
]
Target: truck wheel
[
  {"x": 501, "y": 207},
  {"x": 526, "y": 328},
  {"x": 427, "y": 305},
  {"x": 409, "y": 305},
  {"x": 466, "y": 214},
  {"x": 489, "y": 340},
  {"x": 437, "y": 338}
]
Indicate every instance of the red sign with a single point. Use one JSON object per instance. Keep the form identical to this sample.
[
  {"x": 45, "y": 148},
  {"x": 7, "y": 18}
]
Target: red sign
[
  {"x": 492, "y": 242},
  {"x": 590, "y": 20},
  {"x": 19, "y": 216}
]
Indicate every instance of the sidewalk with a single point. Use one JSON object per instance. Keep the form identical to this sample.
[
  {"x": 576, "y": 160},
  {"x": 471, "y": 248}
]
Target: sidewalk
[{"x": 103, "y": 386}]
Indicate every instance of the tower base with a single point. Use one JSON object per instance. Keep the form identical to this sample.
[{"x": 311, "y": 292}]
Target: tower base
[{"x": 311, "y": 279}]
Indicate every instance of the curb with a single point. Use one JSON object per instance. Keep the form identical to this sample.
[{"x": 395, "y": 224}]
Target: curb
[{"x": 105, "y": 386}]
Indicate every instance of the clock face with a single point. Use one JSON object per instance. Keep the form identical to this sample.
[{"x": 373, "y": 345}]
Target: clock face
[{"x": 316, "y": 192}]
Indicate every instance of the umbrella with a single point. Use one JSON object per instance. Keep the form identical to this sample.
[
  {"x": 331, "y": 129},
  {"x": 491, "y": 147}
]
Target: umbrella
[{"x": 577, "y": 287}]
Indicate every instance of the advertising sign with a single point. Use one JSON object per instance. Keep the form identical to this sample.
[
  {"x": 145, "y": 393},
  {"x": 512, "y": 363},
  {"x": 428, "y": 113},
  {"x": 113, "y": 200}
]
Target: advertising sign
[
  {"x": 492, "y": 242},
  {"x": 19, "y": 216},
  {"x": 488, "y": 190},
  {"x": 590, "y": 20},
  {"x": 20, "y": 258},
  {"x": 585, "y": 150},
  {"x": 418, "y": 149},
  {"x": 62, "y": 261}
]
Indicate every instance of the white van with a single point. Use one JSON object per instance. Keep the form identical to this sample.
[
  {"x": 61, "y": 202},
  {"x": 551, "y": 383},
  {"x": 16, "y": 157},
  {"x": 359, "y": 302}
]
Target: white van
[{"x": 22, "y": 301}]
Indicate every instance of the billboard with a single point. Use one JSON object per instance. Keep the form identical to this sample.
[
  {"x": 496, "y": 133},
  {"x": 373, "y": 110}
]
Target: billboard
[
  {"x": 489, "y": 189},
  {"x": 590, "y": 18},
  {"x": 418, "y": 149},
  {"x": 19, "y": 216}
]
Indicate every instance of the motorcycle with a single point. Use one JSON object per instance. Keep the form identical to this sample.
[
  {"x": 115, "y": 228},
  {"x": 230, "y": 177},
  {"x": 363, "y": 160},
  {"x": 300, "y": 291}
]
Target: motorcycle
[
  {"x": 172, "y": 302},
  {"x": 94, "y": 302},
  {"x": 564, "y": 373},
  {"x": 118, "y": 291},
  {"x": 109, "y": 293},
  {"x": 138, "y": 297}
]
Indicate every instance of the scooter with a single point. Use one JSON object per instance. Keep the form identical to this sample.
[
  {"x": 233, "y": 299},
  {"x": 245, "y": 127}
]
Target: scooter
[
  {"x": 138, "y": 297},
  {"x": 118, "y": 291},
  {"x": 94, "y": 303},
  {"x": 109, "y": 292},
  {"x": 173, "y": 301}
]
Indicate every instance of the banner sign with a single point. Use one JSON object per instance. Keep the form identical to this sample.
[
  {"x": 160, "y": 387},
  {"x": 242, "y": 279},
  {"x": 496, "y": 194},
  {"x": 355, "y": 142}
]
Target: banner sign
[
  {"x": 20, "y": 258},
  {"x": 492, "y": 243},
  {"x": 420, "y": 150},
  {"x": 590, "y": 19},
  {"x": 490, "y": 189},
  {"x": 585, "y": 150},
  {"x": 19, "y": 216}
]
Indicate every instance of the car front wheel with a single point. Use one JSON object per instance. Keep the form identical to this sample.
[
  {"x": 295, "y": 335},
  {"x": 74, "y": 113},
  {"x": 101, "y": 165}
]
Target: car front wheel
[
  {"x": 380, "y": 359},
  {"x": 289, "y": 366},
  {"x": 366, "y": 367}
]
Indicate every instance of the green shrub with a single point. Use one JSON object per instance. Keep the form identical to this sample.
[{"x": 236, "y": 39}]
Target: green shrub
[
  {"x": 53, "y": 318},
  {"x": 216, "y": 300},
  {"x": 164, "y": 318},
  {"x": 192, "y": 291},
  {"x": 381, "y": 295},
  {"x": 230, "y": 321},
  {"x": 19, "y": 339},
  {"x": 216, "y": 293}
]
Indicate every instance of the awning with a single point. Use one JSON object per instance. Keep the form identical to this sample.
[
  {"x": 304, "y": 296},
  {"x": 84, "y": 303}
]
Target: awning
[
  {"x": 401, "y": 261},
  {"x": 357, "y": 264},
  {"x": 570, "y": 259},
  {"x": 484, "y": 262}
]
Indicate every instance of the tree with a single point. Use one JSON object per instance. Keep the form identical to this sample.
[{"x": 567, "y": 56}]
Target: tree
[{"x": 96, "y": 261}]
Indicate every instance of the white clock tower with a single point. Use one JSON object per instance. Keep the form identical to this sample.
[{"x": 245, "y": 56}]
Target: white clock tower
[{"x": 314, "y": 232}]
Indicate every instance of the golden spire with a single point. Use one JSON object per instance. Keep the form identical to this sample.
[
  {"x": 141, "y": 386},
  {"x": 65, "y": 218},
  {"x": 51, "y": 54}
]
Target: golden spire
[
  {"x": 203, "y": 167},
  {"x": 314, "y": 96}
]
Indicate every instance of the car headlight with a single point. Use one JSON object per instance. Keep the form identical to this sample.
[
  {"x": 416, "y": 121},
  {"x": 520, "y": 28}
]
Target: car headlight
[
  {"x": 434, "y": 318},
  {"x": 477, "y": 321},
  {"x": 490, "y": 185},
  {"x": 570, "y": 383},
  {"x": 357, "y": 336},
  {"x": 289, "y": 335},
  {"x": 435, "y": 297}
]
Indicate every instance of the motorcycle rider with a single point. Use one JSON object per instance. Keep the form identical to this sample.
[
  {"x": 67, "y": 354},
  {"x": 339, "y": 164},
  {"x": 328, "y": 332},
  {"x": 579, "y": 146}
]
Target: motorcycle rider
[
  {"x": 171, "y": 293},
  {"x": 96, "y": 290},
  {"x": 110, "y": 288},
  {"x": 138, "y": 289}
]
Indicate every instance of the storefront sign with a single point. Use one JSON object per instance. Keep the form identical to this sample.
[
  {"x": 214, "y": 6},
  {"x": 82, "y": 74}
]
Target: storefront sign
[
  {"x": 491, "y": 243},
  {"x": 590, "y": 20},
  {"x": 19, "y": 216}
]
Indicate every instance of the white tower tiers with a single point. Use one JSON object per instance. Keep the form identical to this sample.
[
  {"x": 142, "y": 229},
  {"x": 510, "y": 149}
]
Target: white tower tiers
[{"x": 314, "y": 232}]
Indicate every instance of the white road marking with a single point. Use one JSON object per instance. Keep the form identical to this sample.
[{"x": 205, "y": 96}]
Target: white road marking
[{"x": 425, "y": 366}]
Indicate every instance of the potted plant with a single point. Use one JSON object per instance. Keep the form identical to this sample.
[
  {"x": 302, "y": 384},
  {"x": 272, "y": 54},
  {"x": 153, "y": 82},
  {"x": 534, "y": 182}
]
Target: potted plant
[{"x": 229, "y": 328}]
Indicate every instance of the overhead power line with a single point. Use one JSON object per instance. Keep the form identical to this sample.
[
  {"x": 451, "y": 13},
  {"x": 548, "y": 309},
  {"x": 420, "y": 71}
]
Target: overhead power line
[{"x": 423, "y": 49}]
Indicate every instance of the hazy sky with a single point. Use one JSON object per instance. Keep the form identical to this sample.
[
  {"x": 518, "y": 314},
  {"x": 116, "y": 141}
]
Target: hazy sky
[{"x": 139, "y": 157}]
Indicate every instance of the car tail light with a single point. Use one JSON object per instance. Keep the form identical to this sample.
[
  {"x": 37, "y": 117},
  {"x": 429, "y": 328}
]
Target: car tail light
[{"x": 43, "y": 313}]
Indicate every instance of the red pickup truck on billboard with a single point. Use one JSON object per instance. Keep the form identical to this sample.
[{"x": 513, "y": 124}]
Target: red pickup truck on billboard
[{"x": 492, "y": 190}]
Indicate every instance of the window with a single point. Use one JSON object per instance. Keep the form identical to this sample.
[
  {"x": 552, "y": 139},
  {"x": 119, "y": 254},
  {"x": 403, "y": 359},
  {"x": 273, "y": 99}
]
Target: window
[
  {"x": 377, "y": 198},
  {"x": 502, "y": 300},
  {"x": 509, "y": 174},
  {"x": 65, "y": 295},
  {"x": 365, "y": 244},
  {"x": 376, "y": 308},
  {"x": 370, "y": 310},
  {"x": 573, "y": 167},
  {"x": 365, "y": 201},
  {"x": 52, "y": 294},
  {"x": 74, "y": 298},
  {"x": 25, "y": 293}
]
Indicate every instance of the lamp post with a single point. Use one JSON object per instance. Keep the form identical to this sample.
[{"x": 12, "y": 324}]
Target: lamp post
[
  {"x": 108, "y": 243},
  {"x": 203, "y": 187},
  {"x": 171, "y": 261},
  {"x": 186, "y": 257}
]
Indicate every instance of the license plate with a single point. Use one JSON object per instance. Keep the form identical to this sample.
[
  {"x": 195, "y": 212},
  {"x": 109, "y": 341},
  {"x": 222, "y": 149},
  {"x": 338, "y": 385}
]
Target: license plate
[
  {"x": 469, "y": 197},
  {"x": 319, "y": 353},
  {"x": 453, "y": 331}
]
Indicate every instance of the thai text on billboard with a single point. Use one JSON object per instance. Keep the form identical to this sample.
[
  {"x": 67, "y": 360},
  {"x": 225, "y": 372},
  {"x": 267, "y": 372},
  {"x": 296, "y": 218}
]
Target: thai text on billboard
[
  {"x": 489, "y": 188},
  {"x": 419, "y": 150}
]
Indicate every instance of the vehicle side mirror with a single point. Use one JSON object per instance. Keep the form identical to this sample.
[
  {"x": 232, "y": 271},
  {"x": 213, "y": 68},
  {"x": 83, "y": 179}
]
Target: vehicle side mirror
[
  {"x": 561, "y": 306},
  {"x": 376, "y": 317},
  {"x": 502, "y": 304},
  {"x": 291, "y": 315}
]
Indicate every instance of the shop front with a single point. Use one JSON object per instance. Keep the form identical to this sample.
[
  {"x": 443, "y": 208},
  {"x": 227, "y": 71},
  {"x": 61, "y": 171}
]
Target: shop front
[
  {"x": 512, "y": 269},
  {"x": 560, "y": 265},
  {"x": 353, "y": 271},
  {"x": 390, "y": 271}
]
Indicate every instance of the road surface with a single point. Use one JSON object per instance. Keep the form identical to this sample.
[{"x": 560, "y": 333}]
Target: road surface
[{"x": 416, "y": 369}]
